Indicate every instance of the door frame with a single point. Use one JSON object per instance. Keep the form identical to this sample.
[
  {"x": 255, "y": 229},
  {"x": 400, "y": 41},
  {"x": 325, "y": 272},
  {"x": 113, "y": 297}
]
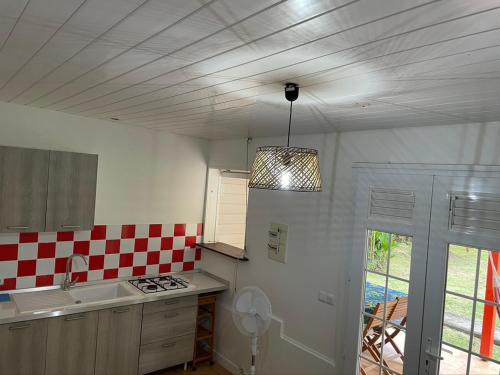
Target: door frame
[{"x": 352, "y": 315}]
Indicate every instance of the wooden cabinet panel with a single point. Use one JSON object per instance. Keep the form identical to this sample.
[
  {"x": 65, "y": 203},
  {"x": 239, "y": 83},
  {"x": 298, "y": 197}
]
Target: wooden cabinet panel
[
  {"x": 71, "y": 191},
  {"x": 167, "y": 324},
  {"x": 170, "y": 304},
  {"x": 118, "y": 341},
  {"x": 23, "y": 189},
  {"x": 71, "y": 344},
  {"x": 165, "y": 353},
  {"x": 23, "y": 348}
]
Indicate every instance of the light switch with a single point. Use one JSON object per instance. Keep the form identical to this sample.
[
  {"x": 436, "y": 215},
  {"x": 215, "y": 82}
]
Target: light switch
[{"x": 277, "y": 242}]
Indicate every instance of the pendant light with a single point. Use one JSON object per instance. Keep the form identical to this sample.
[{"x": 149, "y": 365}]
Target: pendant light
[{"x": 285, "y": 167}]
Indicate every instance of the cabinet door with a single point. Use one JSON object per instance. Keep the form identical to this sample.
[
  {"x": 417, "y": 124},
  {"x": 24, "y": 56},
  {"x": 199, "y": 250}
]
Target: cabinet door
[
  {"x": 23, "y": 189},
  {"x": 71, "y": 191},
  {"x": 23, "y": 348},
  {"x": 71, "y": 344},
  {"x": 118, "y": 341}
]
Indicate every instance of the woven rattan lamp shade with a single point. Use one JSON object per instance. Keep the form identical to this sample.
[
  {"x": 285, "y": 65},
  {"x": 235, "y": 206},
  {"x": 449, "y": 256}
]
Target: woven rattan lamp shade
[{"x": 286, "y": 168}]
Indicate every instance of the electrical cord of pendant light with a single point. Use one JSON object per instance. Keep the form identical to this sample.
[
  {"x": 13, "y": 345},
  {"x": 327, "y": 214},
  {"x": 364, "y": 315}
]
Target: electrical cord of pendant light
[{"x": 289, "y": 125}]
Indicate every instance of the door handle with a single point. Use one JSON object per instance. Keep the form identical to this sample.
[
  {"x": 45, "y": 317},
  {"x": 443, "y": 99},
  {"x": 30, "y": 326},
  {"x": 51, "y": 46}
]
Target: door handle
[
  {"x": 429, "y": 351},
  {"x": 171, "y": 315},
  {"x": 74, "y": 317},
  {"x": 15, "y": 328},
  {"x": 171, "y": 302},
  {"x": 20, "y": 227},
  {"x": 120, "y": 311},
  {"x": 70, "y": 226},
  {"x": 169, "y": 345}
]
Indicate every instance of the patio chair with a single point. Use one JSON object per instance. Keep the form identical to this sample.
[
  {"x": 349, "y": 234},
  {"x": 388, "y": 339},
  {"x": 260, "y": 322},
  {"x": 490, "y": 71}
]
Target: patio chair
[
  {"x": 399, "y": 316},
  {"x": 396, "y": 311}
]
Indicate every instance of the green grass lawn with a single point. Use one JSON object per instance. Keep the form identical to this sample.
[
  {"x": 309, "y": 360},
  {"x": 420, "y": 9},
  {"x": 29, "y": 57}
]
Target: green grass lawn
[{"x": 461, "y": 276}]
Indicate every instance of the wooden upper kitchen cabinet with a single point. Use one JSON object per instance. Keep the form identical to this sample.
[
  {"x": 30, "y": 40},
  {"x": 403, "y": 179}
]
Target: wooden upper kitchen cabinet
[
  {"x": 71, "y": 344},
  {"x": 23, "y": 348},
  {"x": 71, "y": 191},
  {"x": 23, "y": 189},
  {"x": 118, "y": 340}
]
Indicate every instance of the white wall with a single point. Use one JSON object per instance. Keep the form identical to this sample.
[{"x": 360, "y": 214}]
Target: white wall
[
  {"x": 320, "y": 231},
  {"x": 143, "y": 176}
]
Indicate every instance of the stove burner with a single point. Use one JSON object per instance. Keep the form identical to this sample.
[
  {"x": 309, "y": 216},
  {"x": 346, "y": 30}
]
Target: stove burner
[{"x": 159, "y": 284}]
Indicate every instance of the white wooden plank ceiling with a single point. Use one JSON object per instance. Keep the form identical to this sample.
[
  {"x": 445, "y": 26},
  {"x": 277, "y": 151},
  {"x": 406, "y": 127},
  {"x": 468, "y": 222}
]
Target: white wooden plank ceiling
[{"x": 216, "y": 68}]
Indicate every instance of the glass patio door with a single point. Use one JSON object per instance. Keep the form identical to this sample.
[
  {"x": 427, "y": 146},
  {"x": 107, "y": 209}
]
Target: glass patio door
[
  {"x": 461, "y": 325},
  {"x": 391, "y": 230}
]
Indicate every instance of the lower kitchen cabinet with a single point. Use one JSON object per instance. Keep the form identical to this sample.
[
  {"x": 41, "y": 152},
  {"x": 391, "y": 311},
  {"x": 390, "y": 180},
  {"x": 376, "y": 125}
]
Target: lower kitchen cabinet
[
  {"x": 118, "y": 340},
  {"x": 166, "y": 353},
  {"x": 167, "y": 337},
  {"x": 23, "y": 347},
  {"x": 124, "y": 340},
  {"x": 71, "y": 344}
]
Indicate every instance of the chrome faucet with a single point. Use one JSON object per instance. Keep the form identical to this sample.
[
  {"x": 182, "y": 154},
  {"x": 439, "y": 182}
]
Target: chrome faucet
[{"x": 67, "y": 283}]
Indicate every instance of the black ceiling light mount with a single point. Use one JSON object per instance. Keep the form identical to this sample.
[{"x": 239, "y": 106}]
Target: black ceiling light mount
[{"x": 285, "y": 167}]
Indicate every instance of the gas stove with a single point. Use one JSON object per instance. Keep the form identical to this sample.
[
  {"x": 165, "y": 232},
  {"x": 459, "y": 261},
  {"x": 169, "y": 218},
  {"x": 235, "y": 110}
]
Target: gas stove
[{"x": 157, "y": 284}]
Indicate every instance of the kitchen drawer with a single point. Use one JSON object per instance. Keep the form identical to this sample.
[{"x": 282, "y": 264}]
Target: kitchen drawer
[
  {"x": 166, "y": 353},
  {"x": 167, "y": 324},
  {"x": 170, "y": 304}
]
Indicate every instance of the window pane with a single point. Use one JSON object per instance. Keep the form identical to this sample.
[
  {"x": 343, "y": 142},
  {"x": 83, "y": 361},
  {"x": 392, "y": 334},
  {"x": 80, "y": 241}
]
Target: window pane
[
  {"x": 394, "y": 348},
  {"x": 461, "y": 270},
  {"x": 386, "y": 298},
  {"x": 487, "y": 331},
  {"x": 374, "y": 291},
  {"x": 398, "y": 290},
  {"x": 379, "y": 244},
  {"x": 457, "y": 321},
  {"x": 486, "y": 275},
  {"x": 454, "y": 363},
  {"x": 400, "y": 259},
  {"x": 371, "y": 338},
  {"x": 478, "y": 366},
  {"x": 368, "y": 366}
]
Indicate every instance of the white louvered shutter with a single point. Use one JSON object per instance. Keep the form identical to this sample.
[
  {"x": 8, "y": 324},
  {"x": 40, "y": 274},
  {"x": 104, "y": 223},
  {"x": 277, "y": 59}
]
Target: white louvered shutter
[
  {"x": 479, "y": 213},
  {"x": 392, "y": 204}
]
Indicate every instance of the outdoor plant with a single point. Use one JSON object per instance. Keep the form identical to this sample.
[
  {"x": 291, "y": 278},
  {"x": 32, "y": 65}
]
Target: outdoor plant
[{"x": 379, "y": 245}]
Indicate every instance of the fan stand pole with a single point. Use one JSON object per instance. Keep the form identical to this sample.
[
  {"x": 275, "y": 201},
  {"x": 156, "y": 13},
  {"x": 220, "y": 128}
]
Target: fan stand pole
[{"x": 254, "y": 354}]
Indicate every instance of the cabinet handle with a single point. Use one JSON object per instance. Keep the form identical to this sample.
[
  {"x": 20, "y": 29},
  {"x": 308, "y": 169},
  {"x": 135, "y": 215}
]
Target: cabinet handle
[
  {"x": 74, "y": 317},
  {"x": 171, "y": 302},
  {"x": 169, "y": 345},
  {"x": 171, "y": 315},
  {"x": 119, "y": 311},
  {"x": 70, "y": 226},
  {"x": 14, "y": 328},
  {"x": 18, "y": 227}
]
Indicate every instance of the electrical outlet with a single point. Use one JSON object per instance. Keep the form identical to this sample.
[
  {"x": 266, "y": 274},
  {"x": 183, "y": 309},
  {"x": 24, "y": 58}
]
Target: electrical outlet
[
  {"x": 322, "y": 296},
  {"x": 327, "y": 298},
  {"x": 330, "y": 299}
]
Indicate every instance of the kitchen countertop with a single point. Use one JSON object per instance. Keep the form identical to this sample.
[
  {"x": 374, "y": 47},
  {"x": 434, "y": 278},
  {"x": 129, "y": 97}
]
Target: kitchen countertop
[{"x": 200, "y": 282}]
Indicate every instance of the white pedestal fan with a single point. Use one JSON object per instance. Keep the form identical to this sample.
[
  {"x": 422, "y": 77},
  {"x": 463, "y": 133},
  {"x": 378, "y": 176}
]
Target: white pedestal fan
[{"x": 252, "y": 315}]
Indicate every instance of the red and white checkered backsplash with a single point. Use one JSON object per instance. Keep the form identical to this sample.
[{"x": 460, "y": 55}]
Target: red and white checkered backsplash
[{"x": 30, "y": 260}]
